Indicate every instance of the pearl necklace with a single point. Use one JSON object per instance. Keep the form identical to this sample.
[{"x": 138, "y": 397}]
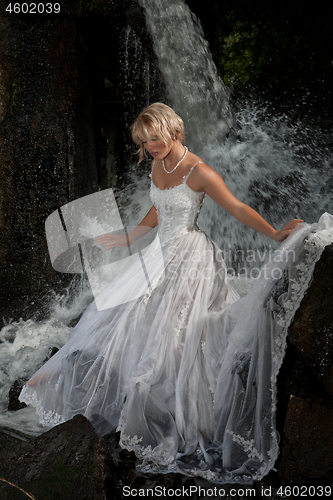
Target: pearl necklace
[{"x": 182, "y": 158}]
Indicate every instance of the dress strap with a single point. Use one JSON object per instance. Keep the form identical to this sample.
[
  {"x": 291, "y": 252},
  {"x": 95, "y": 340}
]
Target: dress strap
[
  {"x": 188, "y": 175},
  {"x": 152, "y": 169}
]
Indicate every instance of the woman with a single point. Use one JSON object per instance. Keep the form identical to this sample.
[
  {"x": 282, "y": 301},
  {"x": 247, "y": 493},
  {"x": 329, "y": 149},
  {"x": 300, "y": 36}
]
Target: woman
[
  {"x": 186, "y": 372},
  {"x": 160, "y": 132}
]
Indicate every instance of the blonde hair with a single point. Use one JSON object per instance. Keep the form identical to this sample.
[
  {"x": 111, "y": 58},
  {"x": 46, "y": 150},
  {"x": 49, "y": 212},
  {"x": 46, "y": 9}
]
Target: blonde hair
[{"x": 159, "y": 121}]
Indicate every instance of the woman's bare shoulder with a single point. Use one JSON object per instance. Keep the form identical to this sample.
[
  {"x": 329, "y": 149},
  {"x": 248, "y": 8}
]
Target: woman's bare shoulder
[
  {"x": 202, "y": 175},
  {"x": 204, "y": 171}
]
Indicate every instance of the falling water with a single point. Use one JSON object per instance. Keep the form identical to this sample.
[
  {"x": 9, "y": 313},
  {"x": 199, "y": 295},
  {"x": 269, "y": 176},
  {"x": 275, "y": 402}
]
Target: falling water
[
  {"x": 279, "y": 165},
  {"x": 196, "y": 92},
  {"x": 136, "y": 69}
]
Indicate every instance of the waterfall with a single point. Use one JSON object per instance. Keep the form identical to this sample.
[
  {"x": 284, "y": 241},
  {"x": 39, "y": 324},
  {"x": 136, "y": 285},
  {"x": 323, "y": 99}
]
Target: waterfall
[
  {"x": 136, "y": 72},
  {"x": 195, "y": 91}
]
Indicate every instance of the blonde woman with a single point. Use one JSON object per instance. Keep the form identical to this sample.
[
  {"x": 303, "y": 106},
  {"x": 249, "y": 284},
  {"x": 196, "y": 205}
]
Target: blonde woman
[
  {"x": 159, "y": 131},
  {"x": 186, "y": 372}
]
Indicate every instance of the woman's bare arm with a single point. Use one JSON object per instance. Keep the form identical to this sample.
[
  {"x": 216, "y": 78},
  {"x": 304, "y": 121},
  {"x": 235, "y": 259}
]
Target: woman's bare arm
[
  {"x": 207, "y": 180},
  {"x": 116, "y": 240}
]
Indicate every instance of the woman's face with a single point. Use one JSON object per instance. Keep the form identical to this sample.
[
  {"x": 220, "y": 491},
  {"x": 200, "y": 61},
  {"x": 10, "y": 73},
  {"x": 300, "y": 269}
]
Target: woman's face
[{"x": 156, "y": 148}]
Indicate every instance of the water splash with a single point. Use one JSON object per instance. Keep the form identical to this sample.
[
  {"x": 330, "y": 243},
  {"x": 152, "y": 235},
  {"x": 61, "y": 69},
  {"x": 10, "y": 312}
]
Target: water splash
[
  {"x": 25, "y": 345},
  {"x": 280, "y": 167}
]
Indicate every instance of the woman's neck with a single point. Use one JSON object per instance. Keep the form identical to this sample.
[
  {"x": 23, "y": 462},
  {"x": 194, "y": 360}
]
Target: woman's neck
[{"x": 175, "y": 154}]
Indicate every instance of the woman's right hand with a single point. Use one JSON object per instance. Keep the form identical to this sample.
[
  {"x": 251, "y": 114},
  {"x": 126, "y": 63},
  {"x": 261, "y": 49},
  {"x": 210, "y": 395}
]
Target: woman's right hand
[
  {"x": 108, "y": 241},
  {"x": 286, "y": 230}
]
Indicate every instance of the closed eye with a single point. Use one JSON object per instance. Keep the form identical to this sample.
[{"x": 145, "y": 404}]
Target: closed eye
[{"x": 153, "y": 139}]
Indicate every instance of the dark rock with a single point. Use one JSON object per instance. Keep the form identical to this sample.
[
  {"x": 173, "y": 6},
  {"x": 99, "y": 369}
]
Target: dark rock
[
  {"x": 37, "y": 151},
  {"x": 14, "y": 404},
  {"x": 311, "y": 332},
  {"x": 8, "y": 440},
  {"x": 307, "y": 373},
  {"x": 52, "y": 352},
  {"x": 307, "y": 441},
  {"x": 68, "y": 462}
]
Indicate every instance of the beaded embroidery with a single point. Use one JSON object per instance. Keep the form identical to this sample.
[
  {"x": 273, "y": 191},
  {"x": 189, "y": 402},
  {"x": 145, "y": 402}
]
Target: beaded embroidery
[{"x": 178, "y": 208}]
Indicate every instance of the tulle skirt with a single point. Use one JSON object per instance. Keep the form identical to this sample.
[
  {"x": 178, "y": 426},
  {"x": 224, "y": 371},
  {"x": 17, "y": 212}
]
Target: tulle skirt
[{"x": 186, "y": 371}]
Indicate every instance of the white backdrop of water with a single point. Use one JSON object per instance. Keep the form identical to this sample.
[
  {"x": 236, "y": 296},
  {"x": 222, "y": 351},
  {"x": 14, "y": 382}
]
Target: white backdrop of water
[{"x": 280, "y": 166}]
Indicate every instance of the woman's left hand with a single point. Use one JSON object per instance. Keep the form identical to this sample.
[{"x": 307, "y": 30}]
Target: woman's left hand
[
  {"x": 112, "y": 241},
  {"x": 286, "y": 230}
]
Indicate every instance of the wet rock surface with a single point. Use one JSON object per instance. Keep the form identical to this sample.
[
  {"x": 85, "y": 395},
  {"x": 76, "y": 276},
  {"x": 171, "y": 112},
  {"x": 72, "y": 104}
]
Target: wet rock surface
[
  {"x": 312, "y": 330},
  {"x": 308, "y": 440},
  {"x": 13, "y": 402},
  {"x": 306, "y": 383},
  {"x": 69, "y": 461}
]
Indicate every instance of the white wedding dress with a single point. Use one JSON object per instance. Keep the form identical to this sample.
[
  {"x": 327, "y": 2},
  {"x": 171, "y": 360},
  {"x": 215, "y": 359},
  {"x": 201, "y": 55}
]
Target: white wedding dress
[{"x": 187, "y": 372}]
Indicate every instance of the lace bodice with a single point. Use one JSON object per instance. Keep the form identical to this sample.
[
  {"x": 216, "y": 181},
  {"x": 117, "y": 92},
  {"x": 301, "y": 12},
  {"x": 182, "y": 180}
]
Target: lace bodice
[{"x": 178, "y": 208}]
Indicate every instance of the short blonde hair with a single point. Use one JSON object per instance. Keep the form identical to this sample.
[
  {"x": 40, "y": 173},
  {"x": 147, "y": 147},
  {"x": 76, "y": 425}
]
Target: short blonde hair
[{"x": 157, "y": 120}]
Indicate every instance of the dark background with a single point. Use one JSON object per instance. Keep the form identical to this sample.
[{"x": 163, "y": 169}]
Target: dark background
[{"x": 278, "y": 47}]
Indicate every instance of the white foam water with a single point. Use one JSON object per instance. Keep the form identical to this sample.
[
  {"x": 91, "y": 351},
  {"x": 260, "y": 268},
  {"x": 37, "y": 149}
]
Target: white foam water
[{"x": 24, "y": 346}]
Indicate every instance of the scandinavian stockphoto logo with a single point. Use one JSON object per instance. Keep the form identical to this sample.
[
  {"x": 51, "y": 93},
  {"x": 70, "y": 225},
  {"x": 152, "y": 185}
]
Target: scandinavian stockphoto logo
[{"x": 71, "y": 233}]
